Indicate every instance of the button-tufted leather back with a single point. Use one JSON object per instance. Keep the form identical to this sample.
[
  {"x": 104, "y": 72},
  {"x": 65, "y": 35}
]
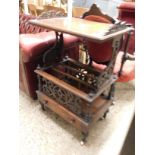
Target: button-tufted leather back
[{"x": 26, "y": 27}]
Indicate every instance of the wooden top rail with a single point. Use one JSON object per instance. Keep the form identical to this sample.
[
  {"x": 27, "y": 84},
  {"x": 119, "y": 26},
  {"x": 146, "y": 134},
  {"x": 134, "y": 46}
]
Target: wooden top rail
[
  {"x": 80, "y": 27},
  {"x": 87, "y": 97},
  {"x": 64, "y": 85}
]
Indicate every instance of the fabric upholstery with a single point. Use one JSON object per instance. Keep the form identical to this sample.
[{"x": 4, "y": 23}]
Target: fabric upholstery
[
  {"x": 126, "y": 12},
  {"x": 33, "y": 45},
  {"x": 97, "y": 19},
  {"x": 99, "y": 52},
  {"x": 25, "y": 27},
  {"x": 70, "y": 40},
  {"x": 129, "y": 6},
  {"x": 33, "y": 42},
  {"x": 128, "y": 71}
]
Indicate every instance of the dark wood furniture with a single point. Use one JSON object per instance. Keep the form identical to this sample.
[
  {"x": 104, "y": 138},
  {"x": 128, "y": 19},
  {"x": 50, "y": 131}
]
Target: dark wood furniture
[{"x": 73, "y": 90}]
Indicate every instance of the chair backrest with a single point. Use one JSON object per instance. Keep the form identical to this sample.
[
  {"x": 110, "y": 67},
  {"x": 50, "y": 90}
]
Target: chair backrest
[
  {"x": 100, "y": 53},
  {"x": 95, "y": 10},
  {"x": 26, "y": 27},
  {"x": 50, "y": 7},
  {"x": 32, "y": 9},
  {"x": 51, "y": 14},
  {"x": 79, "y": 11}
]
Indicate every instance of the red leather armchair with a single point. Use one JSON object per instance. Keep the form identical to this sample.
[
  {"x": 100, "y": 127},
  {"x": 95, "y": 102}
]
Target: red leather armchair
[
  {"x": 33, "y": 42},
  {"x": 126, "y": 12}
]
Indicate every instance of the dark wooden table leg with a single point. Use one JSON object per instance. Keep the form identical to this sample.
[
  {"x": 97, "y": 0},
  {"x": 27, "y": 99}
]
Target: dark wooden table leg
[{"x": 84, "y": 137}]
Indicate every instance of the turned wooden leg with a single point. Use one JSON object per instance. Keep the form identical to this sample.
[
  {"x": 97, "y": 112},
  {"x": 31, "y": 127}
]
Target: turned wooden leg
[
  {"x": 112, "y": 93},
  {"x": 84, "y": 138},
  {"x": 105, "y": 114},
  {"x": 42, "y": 106}
]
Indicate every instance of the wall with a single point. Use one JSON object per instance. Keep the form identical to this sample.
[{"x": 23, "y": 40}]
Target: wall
[
  {"x": 33, "y": 2},
  {"x": 108, "y": 6}
]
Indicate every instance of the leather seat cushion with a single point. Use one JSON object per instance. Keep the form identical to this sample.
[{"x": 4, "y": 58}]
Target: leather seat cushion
[
  {"x": 97, "y": 19},
  {"x": 99, "y": 52},
  {"x": 70, "y": 40},
  {"x": 128, "y": 71},
  {"x": 32, "y": 45}
]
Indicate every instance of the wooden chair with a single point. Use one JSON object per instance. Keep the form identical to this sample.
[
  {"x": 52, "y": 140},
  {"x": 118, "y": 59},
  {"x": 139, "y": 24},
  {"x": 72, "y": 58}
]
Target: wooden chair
[
  {"x": 79, "y": 11},
  {"x": 32, "y": 9},
  {"x": 21, "y": 6}
]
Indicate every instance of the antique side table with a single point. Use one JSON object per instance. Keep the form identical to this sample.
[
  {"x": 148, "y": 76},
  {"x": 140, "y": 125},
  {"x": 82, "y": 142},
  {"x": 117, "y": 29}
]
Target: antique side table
[{"x": 73, "y": 90}]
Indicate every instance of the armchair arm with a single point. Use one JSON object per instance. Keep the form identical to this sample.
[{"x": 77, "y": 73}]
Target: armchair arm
[
  {"x": 124, "y": 62},
  {"x": 129, "y": 57}
]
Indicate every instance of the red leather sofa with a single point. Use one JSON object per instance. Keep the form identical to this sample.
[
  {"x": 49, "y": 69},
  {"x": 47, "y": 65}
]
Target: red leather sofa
[{"x": 33, "y": 42}]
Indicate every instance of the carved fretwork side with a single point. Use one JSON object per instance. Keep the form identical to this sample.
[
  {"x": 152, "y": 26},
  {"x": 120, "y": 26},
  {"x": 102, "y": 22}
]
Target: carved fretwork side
[
  {"x": 64, "y": 97},
  {"x": 105, "y": 75}
]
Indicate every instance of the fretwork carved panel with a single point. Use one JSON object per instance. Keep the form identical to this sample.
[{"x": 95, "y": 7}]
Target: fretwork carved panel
[{"x": 62, "y": 96}]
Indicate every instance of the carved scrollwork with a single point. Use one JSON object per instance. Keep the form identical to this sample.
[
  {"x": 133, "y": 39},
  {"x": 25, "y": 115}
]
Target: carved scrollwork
[
  {"x": 109, "y": 70},
  {"x": 62, "y": 96}
]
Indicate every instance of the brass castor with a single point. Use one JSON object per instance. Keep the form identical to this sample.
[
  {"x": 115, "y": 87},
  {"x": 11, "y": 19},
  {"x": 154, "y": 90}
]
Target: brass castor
[
  {"x": 82, "y": 143},
  {"x": 113, "y": 103},
  {"x": 84, "y": 138}
]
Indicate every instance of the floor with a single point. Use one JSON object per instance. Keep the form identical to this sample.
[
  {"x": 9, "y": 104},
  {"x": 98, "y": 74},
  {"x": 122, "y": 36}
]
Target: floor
[
  {"x": 129, "y": 144},
  {"x": 45, "y": 133}
]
